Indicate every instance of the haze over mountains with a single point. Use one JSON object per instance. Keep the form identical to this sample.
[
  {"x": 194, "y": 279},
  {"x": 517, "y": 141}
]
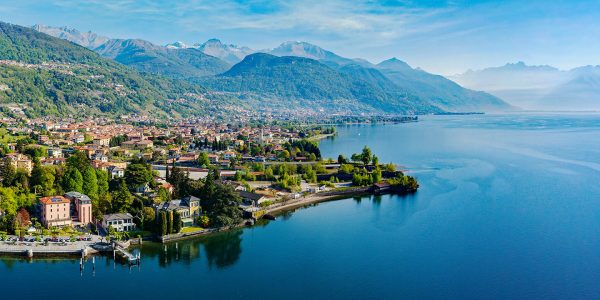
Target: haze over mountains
[
  {"x": 321, "y": 80},
  {"x": 538, "y": 87}
]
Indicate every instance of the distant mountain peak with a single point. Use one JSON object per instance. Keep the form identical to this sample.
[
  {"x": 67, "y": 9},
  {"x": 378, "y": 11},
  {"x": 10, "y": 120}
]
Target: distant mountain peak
[
  {"x": 177, "y": 45},
  {"x": 227, "y": 52},
  {"x": 394, "y": 63},
  {"x": 86, "y": 39}
]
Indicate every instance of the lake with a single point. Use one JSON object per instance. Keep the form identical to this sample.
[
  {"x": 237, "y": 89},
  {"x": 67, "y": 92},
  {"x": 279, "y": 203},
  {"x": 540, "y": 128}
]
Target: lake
[{"x": 509, "y": 207}]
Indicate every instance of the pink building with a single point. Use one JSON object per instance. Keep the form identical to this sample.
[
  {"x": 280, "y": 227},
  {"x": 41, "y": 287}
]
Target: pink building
[
  {"x": 83, "y": 208},
  {"x": 56, "y": 211}
]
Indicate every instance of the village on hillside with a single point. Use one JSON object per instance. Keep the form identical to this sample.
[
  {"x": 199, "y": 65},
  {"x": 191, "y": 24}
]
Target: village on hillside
[{"x": 66, "y": 181}]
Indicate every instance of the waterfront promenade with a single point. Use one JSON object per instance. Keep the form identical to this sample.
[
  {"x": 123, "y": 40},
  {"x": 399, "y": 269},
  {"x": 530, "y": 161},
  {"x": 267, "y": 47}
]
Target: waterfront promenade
[{"x": 48, "y": 248}]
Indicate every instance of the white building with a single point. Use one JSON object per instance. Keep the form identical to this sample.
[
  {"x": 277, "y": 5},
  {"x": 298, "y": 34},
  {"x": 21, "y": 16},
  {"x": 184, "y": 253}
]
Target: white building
[{"x": 119, "y": 222}]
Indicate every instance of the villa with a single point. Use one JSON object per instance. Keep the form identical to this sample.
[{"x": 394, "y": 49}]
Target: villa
[
  {"x": 55, "y": 211},
  {"x": 188, "y": 208},
  {"x": 119, "y": 222}
]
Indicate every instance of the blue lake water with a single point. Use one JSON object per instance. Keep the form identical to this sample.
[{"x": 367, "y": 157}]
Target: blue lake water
[{"x": 509, "y": 207}]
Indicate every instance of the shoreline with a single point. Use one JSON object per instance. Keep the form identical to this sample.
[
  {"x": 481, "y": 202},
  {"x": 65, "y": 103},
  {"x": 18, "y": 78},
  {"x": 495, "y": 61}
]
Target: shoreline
[{"x": 24, "y": 250}]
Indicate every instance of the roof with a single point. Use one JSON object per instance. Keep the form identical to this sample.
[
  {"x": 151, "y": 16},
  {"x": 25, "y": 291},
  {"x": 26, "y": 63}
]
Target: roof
[
  {"x": 118, "y": 216},
  {"x": 250, "y": 195},
  {"x": 54, "y": 200},
  {"x": 77, "y": 195},
  {"x": 172, "y": 205}
]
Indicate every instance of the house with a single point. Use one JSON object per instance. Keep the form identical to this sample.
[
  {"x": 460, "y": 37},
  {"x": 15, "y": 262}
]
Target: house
[
  {"x": 102, "y": 141},
  {"x": 55, "y": 211},
  {"x": 83, "y": 208},
  {"x": 55, "y": 152},
  {"x": 119, "y": 222},
  {"x": 250, "y": 198},
  {"x": 116, "y": 172},
  {"x": 228, "y": 155},
  {"x": 213, "y": 158},
  {"x": 20, "y": 161},
  {"x": 138, "y": 144},
  {"x": 78, "y": 139},
  {"x": 142, "y": 189},
  {"x": 188, "y": 208}
]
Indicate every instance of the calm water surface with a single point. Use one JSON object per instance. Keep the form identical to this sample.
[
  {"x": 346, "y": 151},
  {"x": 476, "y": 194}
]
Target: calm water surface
[{"x": 509, "y": 207}]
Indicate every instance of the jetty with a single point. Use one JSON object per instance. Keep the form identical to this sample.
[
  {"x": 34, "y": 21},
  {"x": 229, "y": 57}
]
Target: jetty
[{"x": 121, "y": 250}]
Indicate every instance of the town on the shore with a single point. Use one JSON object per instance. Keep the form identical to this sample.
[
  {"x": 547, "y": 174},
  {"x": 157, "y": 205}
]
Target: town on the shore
[{"x": 76, "y": 183}]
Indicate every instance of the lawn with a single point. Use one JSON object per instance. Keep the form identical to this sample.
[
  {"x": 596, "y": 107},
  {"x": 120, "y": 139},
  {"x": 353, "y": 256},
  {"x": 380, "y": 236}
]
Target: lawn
[{"x": 191, "y": 229}]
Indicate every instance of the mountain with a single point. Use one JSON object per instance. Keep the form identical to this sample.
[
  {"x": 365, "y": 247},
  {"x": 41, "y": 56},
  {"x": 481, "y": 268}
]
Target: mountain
[
  {"x": 538, "y": 87},
  {"x": 45, "y": 75},
  {"x": 433, "y": 89},
  {"x": 300, "y": 82},
  {"x": 438, "y": 90},
  {"x": 307, "y": 50},
  {"x": 177, "y": 45},
  {"x": 149, "y": 58},
  {"x": 580, "y": 93},
  {"x": 230, "y": 53},
  {"x": 87, "y": 39}
]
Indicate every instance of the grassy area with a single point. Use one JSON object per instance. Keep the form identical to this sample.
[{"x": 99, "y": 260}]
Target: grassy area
[{"x": 191, "y": 229}]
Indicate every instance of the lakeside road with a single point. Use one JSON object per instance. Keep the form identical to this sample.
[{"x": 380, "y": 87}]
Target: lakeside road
[
  {"x": 51, "y": 248},
  {"x": 316, "y": 198}
]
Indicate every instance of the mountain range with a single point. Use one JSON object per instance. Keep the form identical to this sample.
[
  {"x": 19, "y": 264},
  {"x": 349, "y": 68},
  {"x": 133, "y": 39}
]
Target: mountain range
[
  {"x": 293, "y": 75},
  {"x": 51, "y": 76},
  {"x": 538, "y": 87}
]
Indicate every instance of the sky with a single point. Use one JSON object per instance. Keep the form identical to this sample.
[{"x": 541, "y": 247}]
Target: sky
[{"x": 443, "y": 37}]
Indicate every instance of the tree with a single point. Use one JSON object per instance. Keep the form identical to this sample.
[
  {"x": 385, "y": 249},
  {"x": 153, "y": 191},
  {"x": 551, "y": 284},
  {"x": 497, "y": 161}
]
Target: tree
[
  {"x": 237, "y": 176},
  {"x": 137, "y": 174},
  {"x": 169, "y": 222},
  {"x": 375, "y": 160},
  {"x": 162, "y": 224},
  {"x": 366, "y": 155},
  {"x": 102, "y": 206},
  {"x": 269, "y": 173},
  {"x": 122, "y": 198},
  {"x": 177, "y": 223},
  {"x": 163, "y": 195},
  {"x": 342, "y": 160},
  {"x": 204, "y": 221},
  {"x": 8, "y": 173},
  {"x": 90, "y": 183},
  {"x": 79, "y": 160},
  {"x": 149, "y": 216},
  {"x": 22, "y": 220},
  {"x": 102, "y": 178},
  {"x": 376, "y": 175},
  {"x": 390, "y": 167},
  {"x": 180, "y": 181},
  {"x": 43, "y": 177},
  {"x": 203, "y": 160},
  {"x": 8, "y": 202},
  {"x": 222, "y": 205},
  {"x": 73, "y": 180}
]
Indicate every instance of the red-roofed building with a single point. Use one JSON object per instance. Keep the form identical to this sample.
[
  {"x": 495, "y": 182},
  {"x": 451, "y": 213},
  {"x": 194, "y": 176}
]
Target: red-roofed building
[{"x": 56, "y": 211}]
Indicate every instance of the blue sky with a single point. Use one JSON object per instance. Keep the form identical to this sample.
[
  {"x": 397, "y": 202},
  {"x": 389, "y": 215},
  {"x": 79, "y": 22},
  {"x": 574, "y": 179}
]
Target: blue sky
[{"x": 444, "y": 37}]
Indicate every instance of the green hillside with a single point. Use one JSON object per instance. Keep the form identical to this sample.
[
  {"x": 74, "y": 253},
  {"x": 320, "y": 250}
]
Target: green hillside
[
  {"x": 175, "y": 63},
  {"x": 48, "y": 76},
  {"x": 312, "y": 84}
]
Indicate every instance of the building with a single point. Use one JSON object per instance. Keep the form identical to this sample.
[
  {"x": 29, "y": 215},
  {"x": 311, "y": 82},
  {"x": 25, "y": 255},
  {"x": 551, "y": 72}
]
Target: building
[
  {"x": 119, "y": 222},
  {"x": 82, "y": 205},
  {"x": 102, "y": 141},
  {"x": 116, "y": 172},
  {"x": 253, "y": 199},
  {"x": 55, "y": 152},
  {"x": 20, "y": 161},
  {"x": 55, "y": 211},
  {"x": 137, "y": 144},
  {"x": 188, "y": 208}
]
